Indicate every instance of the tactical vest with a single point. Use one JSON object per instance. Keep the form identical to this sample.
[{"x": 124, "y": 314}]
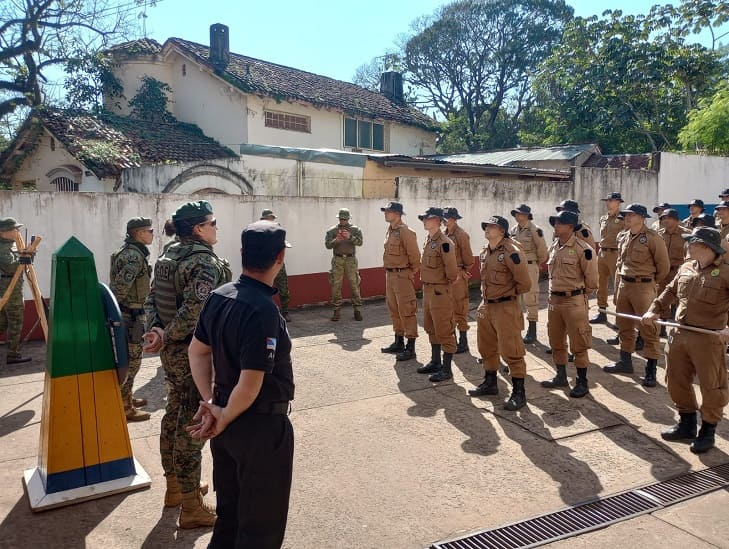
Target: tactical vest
[
  {"x": 168, "y": 294},
  {"x": 140, "y": 289}
]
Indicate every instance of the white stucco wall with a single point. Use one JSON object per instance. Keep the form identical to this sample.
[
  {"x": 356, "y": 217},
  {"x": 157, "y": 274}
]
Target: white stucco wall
[
  {"x": 410, "y": 140},
  {"x": 130, "y": 74},
  {"x": 684, "y": 177}
]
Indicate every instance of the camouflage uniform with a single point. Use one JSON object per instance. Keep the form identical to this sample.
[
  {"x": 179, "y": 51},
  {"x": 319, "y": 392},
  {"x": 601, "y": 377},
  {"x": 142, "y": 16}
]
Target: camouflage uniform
[
  {"x": 130, "y": 275},
  {"x": 11, "y": 315},
  {"x": 281, "y": 283},
  {"x": 185, "y": 274},
  {"x": 344, "y": 263}
]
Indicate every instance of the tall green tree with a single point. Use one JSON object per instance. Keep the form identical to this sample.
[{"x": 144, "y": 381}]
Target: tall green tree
[
  {"x": 472, "y": 63},
  {"x": 708, "y": 125}
]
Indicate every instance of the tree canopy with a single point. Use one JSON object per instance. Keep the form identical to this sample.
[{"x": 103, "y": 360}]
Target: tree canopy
[{"x": 708, "y": 125}]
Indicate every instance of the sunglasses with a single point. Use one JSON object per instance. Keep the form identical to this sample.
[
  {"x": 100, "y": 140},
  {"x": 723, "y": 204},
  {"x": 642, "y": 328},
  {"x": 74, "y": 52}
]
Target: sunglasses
[{"x": 212, "y": 223}]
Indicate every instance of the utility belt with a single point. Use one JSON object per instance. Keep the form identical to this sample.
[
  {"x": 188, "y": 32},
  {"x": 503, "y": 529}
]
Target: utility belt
[
  {"x": 343, "y": 255},
  {"x": 435, "y": 283},
  {"x": 6, "y": 276},
  {"x": 532, "y": 262},
  {"x": 573, "y": 293},
  {"x": 265, "y": 408},
  {"x": 396, "y": 269},
  {"x": 134, "y": 312},
  {"x": 609, "y": 249},
  {"x": 636, "y": 279},
  {"x": 502, "y": 299}
]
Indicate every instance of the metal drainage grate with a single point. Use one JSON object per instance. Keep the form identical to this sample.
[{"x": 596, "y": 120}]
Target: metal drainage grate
[{"x": 594, "y": 515}]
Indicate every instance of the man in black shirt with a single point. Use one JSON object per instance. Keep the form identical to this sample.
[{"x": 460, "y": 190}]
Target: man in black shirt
[{"x": 241, "y": 334}]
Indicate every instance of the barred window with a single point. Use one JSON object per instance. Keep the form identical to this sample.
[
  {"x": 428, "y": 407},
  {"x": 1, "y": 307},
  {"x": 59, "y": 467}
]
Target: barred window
[
  {"x": 286, "y": 121},
  {"x": 64, "y": 184}
]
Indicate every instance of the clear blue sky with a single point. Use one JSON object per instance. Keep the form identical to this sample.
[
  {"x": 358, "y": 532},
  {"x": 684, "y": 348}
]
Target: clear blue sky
[{"x": 327, "y": 37}]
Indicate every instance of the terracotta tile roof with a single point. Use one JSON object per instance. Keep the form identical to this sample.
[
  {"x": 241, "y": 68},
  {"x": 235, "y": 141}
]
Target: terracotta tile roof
[
  {"x": 138, "y": 47},
  {"x": 106, "y": 143},
  {"x": 285, "y": 83},
  {"x": 648, "y": 161}
]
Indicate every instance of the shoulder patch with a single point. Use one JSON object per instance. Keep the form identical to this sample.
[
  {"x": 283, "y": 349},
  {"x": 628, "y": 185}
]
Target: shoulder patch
[
  {"x": 446, "y": 247},
  {"x": 515, "y": 258},
  {"x": 588, "y": 254},
  {"x": 203, "y": 289},
  {"x": 540, "y": 232},
  {"x": 585, "y": 233}
]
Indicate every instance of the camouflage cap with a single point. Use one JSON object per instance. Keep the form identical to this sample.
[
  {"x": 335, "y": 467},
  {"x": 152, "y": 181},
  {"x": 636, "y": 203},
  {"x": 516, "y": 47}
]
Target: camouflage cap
[
  {"x": 193, "y": 210},
  {"x": 265, "y": 214},
  {"x": 138, "y": 223},
  {"x": 706, "y": 235},
  {"x": 9, "y": 223},
  {"x": 344, "y": 213}
]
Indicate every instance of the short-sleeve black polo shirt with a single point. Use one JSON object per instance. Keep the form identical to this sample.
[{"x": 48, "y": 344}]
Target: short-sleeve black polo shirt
[{"x": 243, "y": 326}]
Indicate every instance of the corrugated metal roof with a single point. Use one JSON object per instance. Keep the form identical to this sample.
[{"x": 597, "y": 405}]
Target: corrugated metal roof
[{"x": 510, "y": 157}]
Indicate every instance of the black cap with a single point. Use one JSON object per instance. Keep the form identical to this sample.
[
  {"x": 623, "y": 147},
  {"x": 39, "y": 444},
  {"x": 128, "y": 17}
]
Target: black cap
[
  {"x": 706, "y": 235},
  {"x": 432, "y": 212},
  {"x": 569, "y": 205},
  {"x": 264, "y": 236},
  {"x": 451, "y": 212},
  {"x": 669, "y": 212},
  {"x": 661, "y": 206},
  {"x": 636, "y": 209},
  {"x": 703, "y": 220},
  {"x": 613, "y": 196},
  {"x": 394, "y": 207},
  {"x": 725, "y": 192},
  {"x": 696, "y": 202},
  {"x": 565, "y": 217},
  {"x": 522, "y": 209},
  {"x": 722, "y": 204},
  {"x": 497, "y": 220}
]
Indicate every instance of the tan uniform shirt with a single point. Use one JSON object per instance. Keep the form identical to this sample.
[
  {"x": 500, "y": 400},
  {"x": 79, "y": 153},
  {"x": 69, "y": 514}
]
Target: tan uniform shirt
[
  {"x": 643, "y": 255},
  {"x": 504, "y": 271},
  {"x": 401, "y": 248},
  {"x": 686, "y": 222},
  {"x": 531, "y": 240},
  {"x": 675, "y": 244},
  {"x": 438, "y": 265},
  {"x": 702, "y": 295},
  {"x": 585, "y": 234},
  {"x": 656, "y": 225},
  {"x": 610, "y": 226},
  {"x": 723, "y": 229},
  {"x": 572, "y": 266},
  {"x": 464, "y": 253}
]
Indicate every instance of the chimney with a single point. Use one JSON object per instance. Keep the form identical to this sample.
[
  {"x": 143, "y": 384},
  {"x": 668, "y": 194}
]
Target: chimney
[
  {"x": 219, "y": 46},
  {"x": 391, "y": 86}
]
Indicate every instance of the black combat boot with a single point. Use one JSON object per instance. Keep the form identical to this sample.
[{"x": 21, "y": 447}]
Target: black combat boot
[
  {"x": 622, "y": 366},
  {"x": 650, "y": 373},
  {"x": 518, "y": 395},
  {"x": 560, "y": 380},
  {"x": 462, "y": 343},
  {"x": 489, "y": 386},
  {"x": 705, "y": 439},
  {"x": 685, "y": 429},
  {"x": 531, "y": 335},
  {"x": 639, "y": 343},
  {"x": 581, "y": 389},
  {"x": 613, "y": 340},
  {"x": 434, "y": 365},
  {"x": 599, "y": 318},
  {"x": 445, "y": 370},
  {"x": 408, "y": 353},
  {"x": 396, "y": 346}
]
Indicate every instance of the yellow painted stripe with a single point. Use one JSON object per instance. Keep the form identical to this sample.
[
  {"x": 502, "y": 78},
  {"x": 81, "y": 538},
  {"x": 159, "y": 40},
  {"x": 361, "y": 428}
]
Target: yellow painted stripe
[
  {"x": 89, "y": 429},
  {"x": 65, "y": 450},
  {"x": 113, "y": 436}
]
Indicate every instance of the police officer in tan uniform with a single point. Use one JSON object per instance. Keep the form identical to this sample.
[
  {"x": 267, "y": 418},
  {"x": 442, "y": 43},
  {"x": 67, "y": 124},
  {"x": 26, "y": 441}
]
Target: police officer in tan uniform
[
  {"x": 658, "y": 210},
  {"x": 401, "y": 260},
  {"x": 722, "y": 218},
  {"x": 572, "y": 276},
  {"x": 643, "y": 263},
  {"x": 531, "y": 239},
  {"x": 607, "y": 259},
  {"x": 585, "y": 232},
  {"x": 696, "y": 207},
  {"x": 671, "y": 232},
  {"x": 504, "y": 276},
  {"x": 438, "y": 271},
  {"x": 464, "y": 260},
  {"x": 701, "y": 289}
]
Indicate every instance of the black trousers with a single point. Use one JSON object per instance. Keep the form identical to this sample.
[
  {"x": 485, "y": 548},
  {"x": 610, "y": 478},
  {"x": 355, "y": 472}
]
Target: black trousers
[{"x": 252, "y": 467}]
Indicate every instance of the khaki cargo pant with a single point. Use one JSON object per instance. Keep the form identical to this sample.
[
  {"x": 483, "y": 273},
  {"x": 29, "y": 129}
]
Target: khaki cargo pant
[
  {"x": 607, "y": 261},
  {"x": 459, "y": 291},
  {"x": 402, "y": 303},
  {"x": 634, "y": 298},
  {"x": 567, "y": 318},
  {"x": 438, "y": 316},
  {"x": 499, "y": 327},
  {"x": 530, "y": 299}
]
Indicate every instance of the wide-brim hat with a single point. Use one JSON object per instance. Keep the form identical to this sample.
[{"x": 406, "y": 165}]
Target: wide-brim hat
[
  {"x": 636, "y": 209},
  {"x": 706, "y": 235},
  {"x": 393, "y": 207},
  {"x": 725, "y": 192},
  {"x": 432, "y": 212},
  {"x": 661, "y": 206},
  {"x": 670, "y": 212},
  {"x": 565, "y": 217},
  {"x": 522, "y": 209},
  {"x": 569, "y": 205},
  {"x": 703, "y": 220},
  {"x": 722, "y": 204},
  {"x": 268, "y": 213},
  {"x": 613, "y": 196},
  {"x": 696, "y": 202},
  {"x": 9, "y": 223},
  {"x": 451, "y": 213},
  {"x": 498, "y": 221}
]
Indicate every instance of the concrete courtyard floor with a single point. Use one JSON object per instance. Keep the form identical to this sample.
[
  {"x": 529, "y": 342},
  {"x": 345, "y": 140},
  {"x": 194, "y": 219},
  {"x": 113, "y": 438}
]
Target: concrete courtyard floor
[{"x": 385, "y": 459}]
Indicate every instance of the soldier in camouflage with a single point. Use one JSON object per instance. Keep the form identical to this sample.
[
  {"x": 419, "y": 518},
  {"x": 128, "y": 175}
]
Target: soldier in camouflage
[
  {"x": 184, "y": 277},
  {"x": 343, "y": 239},
  {"x": 11, "y": 315},
  {"x": 130, "y": 275},
  {"x": 281, "y": 282}
]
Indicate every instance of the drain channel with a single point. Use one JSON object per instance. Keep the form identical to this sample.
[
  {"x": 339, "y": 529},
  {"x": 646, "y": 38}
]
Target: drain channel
[{"x": 594, "y": 515}]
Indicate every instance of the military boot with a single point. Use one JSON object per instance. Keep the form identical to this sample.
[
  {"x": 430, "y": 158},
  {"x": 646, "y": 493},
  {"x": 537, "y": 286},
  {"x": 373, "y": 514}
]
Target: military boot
[
  {"x": 705, "y": 439},
  {"x": 336, "y": 315},
  {"x": 16, "y": 358},
  {"x": 285, "y": 315},
  {"x": 489, "y": 386},
  {"x": 132, "y": 414},
  {"x": 396, "y": 346},
  {"x": 139, "y": 402},
  {"x": 581, "y": 389},
  {"x": 408, "y": 353},
  {"x": 435, "y": 364},
  {"x": 195, "y": 513},
  {"x": 613, "y": 340},
  {"x": 560, "y": 380},
  {"x": 357, "y": 314},
  {"x": 650, "y": 373},
  {"x": 462, "y": 343},
  {"x": 445, "y": 370},
  {"x": 173, "y": 495},
  {"x": 599, "y": 318},
  {"x": 518, "y": 395},
  {"x": 622, "y": 366},
  {"x": 685, "y": 429},
  {"x": 531, "y": 335}
]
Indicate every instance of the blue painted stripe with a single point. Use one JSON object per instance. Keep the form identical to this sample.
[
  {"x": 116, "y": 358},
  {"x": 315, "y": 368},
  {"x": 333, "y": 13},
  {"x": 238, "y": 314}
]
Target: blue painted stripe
[{"x": 93, "y": 474}]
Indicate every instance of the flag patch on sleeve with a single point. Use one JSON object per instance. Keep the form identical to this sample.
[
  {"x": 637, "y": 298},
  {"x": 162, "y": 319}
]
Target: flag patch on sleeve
[{"x": 270, "y": 343}]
